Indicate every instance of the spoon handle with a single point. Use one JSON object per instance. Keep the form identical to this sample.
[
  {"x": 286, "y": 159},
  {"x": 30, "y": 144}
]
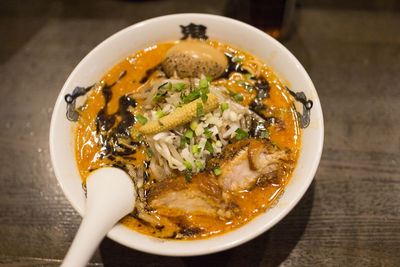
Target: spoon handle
[
  {"x": 110, "y": 196},
  {"x": 89, "y": 235}
]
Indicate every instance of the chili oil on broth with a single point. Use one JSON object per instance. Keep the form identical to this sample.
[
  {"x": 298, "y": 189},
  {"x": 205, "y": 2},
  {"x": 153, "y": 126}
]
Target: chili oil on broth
[
  {"x": 87, "y": 150},
  {"x": 251, "y": 202}
]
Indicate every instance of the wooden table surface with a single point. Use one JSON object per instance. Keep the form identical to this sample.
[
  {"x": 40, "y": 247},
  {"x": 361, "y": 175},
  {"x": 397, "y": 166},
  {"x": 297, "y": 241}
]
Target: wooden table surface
[{"x": 350, "y": 216}]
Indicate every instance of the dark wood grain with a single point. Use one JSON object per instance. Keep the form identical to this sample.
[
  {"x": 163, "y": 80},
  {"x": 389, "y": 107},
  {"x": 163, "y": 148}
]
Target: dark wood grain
[{"x": 350, "y": 216}]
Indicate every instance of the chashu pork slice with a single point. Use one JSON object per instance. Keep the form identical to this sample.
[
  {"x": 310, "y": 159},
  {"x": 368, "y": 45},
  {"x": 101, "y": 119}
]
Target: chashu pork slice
[
  {"x": 245, "y": 162},
  {"x": 176, "y": 197}
]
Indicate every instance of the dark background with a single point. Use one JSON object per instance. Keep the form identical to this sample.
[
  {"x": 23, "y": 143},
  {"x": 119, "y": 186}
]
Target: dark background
[{"x": 350, "y": 215}]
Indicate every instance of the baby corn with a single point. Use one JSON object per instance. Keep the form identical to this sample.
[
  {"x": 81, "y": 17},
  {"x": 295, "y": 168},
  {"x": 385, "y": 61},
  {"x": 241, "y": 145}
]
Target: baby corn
[{"x": 180, "y": 116}]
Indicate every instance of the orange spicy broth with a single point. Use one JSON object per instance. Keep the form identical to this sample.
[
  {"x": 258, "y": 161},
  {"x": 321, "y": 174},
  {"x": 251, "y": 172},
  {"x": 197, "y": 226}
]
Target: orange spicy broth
[{"x": 251, "y": 203}]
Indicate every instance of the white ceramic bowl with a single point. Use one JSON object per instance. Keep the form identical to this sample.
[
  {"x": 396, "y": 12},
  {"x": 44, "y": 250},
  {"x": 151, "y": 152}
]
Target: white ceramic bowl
[{"x": 166, "y": 28}]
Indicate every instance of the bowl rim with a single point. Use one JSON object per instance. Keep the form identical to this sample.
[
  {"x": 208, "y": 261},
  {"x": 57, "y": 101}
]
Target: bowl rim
[{"x": 116, "y": 233}]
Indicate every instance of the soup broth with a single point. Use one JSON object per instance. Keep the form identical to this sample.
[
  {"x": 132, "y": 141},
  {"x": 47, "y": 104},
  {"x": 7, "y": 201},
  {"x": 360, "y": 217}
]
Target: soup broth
[{"x": 112, "y": 111}]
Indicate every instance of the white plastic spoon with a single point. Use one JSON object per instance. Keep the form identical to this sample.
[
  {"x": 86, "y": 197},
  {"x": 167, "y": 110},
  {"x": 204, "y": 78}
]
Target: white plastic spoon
[{"x": 110, "y": 196}]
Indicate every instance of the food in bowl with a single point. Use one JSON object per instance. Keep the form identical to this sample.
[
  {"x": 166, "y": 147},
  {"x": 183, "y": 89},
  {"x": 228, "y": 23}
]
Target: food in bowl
[{"x": 208, "y": 133}]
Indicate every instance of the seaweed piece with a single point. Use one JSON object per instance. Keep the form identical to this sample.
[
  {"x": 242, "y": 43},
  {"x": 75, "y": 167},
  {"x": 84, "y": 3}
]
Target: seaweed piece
[
  {"x": 233, "y": 66},
  {"x": 149, "y": 72},
  {"x": 72, "y": 114}
]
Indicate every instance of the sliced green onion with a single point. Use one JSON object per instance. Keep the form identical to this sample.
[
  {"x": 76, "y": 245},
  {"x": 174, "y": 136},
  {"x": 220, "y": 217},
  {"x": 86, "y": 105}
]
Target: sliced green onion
[
  {"x": 188, "y": 165},
  {"x": 282, "y": 110},
  {"x": 183, "y": 142},
  {"x": 209, "y": 147},
  {"x": 189, "y": 133},
  {"x": 188, "y": 177},
  {"x": 275, "y": 145},
  {"x": 241, "y": 134},
  {"x": 191, "y": 96},
  {"x": 203, "y": 83},
  {"x": 199, "y": 164},
  {"x": 209, "y": 78},
  {"x": 208, "y": 133},
  {"x": 264, "y": 135},
  {"x": 196, "y": 149},
  {"x": 157, "y": 96},
  {"x": 193, "y": 125},
  {"x": 204, "y": 97},
  {"x": 200, "y": 111},
  {"x": 205, "y": 90},
  {"x": 224, "y": 106},
  {"x": 180, "y": 86},
  {"x": 238, "y": 97},
  {"x": 232, "y": 93},
  {"x": 241, "y": 82},
  {"x": 160, "y": 113},
  {"x": 217, "y": 171},
  {"x": 140, "y": 118},
  {"x": 248, "y": 76},
  {"x": 237, "y": 59},
  {"x": 149, "y": 153}
]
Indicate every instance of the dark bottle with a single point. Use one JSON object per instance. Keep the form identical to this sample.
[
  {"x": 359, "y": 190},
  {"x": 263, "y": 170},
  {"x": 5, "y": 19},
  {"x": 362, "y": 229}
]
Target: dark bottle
[{"x": 271, "y": 16}]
